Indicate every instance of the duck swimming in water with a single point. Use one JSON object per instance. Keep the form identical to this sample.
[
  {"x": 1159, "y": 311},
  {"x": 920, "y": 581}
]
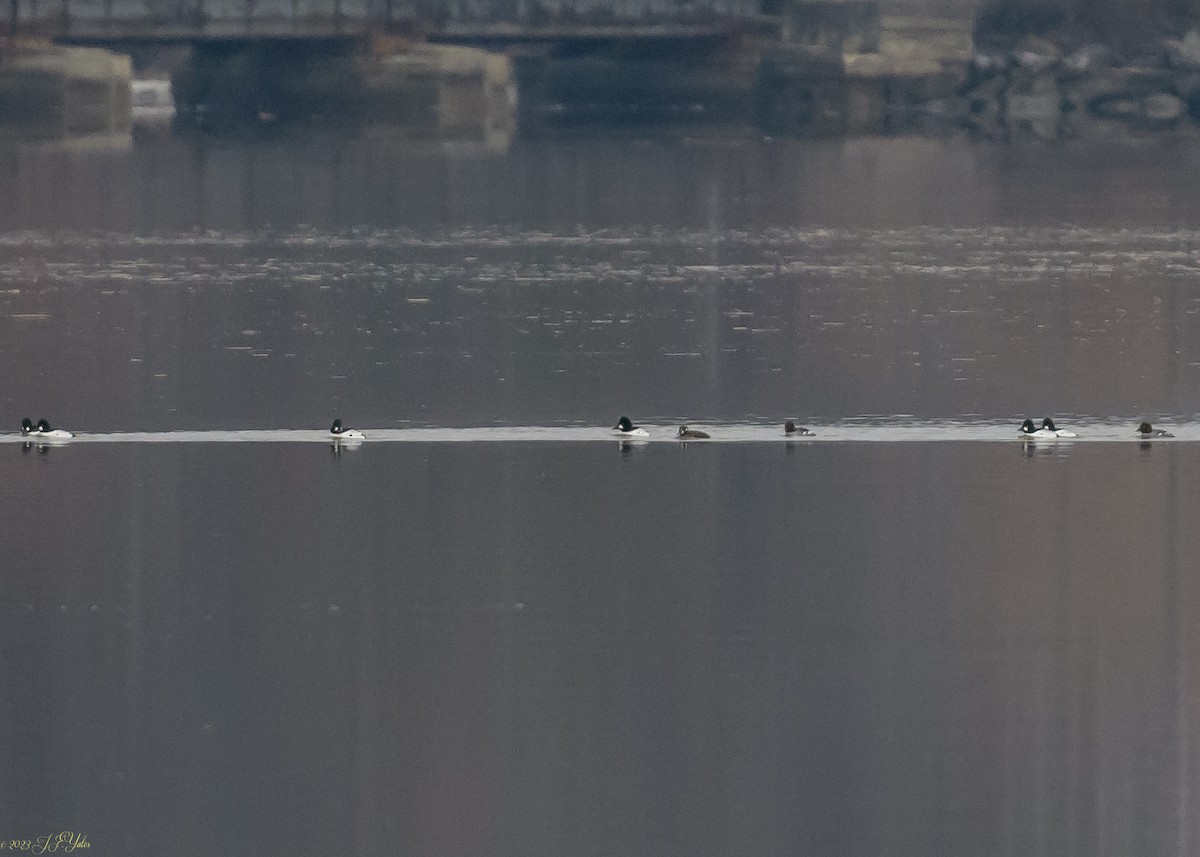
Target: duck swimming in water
[
  {"x": 1048, "y": 425},
  {"x": 790, "y": 429},
  {"x": 1046, "y": 432},
  {"x": 686, "y": 433},
  {"x": 44, "y": 430},
  {"x": 626, "y": 428},
  {"x": 338, "y": 432},
  {"x": 1146, "y": 431}
]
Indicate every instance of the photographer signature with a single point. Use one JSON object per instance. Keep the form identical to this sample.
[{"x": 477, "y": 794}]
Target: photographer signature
[{"x": 53, "y": 843}]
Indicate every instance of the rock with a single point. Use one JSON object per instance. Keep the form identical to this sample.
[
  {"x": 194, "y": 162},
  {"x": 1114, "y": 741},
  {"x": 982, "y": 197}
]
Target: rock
[
  {"x": 1030, "y": 43},
  {"x": 1153, "y": 112},
  {"x": 1036, "y": 54},
  {"x": 1185, "y": 54},
  {"x": 1088, "y": 59},
  {"x": 1113, "y": 83},
  {"x": 988, "y": 63},
  {"x": 1163, "y": 108}
]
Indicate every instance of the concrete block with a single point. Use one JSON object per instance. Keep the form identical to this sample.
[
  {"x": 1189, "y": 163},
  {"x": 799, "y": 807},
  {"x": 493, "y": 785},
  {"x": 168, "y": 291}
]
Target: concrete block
[{"x": 64, "y": 91}]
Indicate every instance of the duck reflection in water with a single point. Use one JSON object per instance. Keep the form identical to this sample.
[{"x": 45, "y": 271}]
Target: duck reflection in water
[
  {"x": 1030, "y": 448},
  {"x": 337, "y": 447},
  {"x": 627, "y": 446}
]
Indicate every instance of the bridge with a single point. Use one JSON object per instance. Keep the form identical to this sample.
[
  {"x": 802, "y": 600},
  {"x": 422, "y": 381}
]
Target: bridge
[
  {"x": 490, "y": 24},
  {"x": 480, "y": 22},
  {"x": 296, "y": 31},
  {"x": 303, "y": 57}
]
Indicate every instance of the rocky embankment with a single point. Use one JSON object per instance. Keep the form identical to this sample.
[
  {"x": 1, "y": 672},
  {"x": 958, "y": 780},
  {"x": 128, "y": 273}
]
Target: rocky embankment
[{"x": 1039, "y": 88}]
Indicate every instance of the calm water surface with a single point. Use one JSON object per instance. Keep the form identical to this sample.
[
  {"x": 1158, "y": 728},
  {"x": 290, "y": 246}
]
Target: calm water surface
[
  {"x": 479, "y": 326},
  {"x": 473, "y": 643},
  {"x": 566, "y": 648}
]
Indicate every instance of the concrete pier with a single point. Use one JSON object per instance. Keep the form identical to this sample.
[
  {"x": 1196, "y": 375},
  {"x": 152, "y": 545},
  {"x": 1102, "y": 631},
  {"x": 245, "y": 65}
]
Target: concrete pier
[
  {"x": 477, "y": 70},
  {"x": 918, "y": 61},
  {"x": 442, "y": 91},
  {"x": 875, "y": 78},
  {"x": 53, "y": 91},
  {"x": 427, "y": 90}
]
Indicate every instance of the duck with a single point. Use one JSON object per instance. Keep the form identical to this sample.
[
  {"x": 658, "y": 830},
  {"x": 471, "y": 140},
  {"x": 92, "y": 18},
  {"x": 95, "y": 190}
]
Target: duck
[
  {"x": 686, "y": 433},
  {"x": 1047, "y": 431},
  {"x": 44, "y": 430},
  {"x": 26, "y": 427},
  {"x": 1048, "y": 425},
  {"x": 338, "y": 432},
  {"x": 626, "y": 428},
  {"x": 1147, "y": 431},
  {"x": 789, "y": 428}
]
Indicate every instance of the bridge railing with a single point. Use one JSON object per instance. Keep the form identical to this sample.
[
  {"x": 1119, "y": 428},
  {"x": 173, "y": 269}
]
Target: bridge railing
[{"x": 68, "y": 17}]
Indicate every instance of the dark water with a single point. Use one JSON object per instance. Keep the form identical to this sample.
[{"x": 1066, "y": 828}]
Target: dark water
[
  {"x": 569, "y": 647},
  {"x": 562, "y": 649}
]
